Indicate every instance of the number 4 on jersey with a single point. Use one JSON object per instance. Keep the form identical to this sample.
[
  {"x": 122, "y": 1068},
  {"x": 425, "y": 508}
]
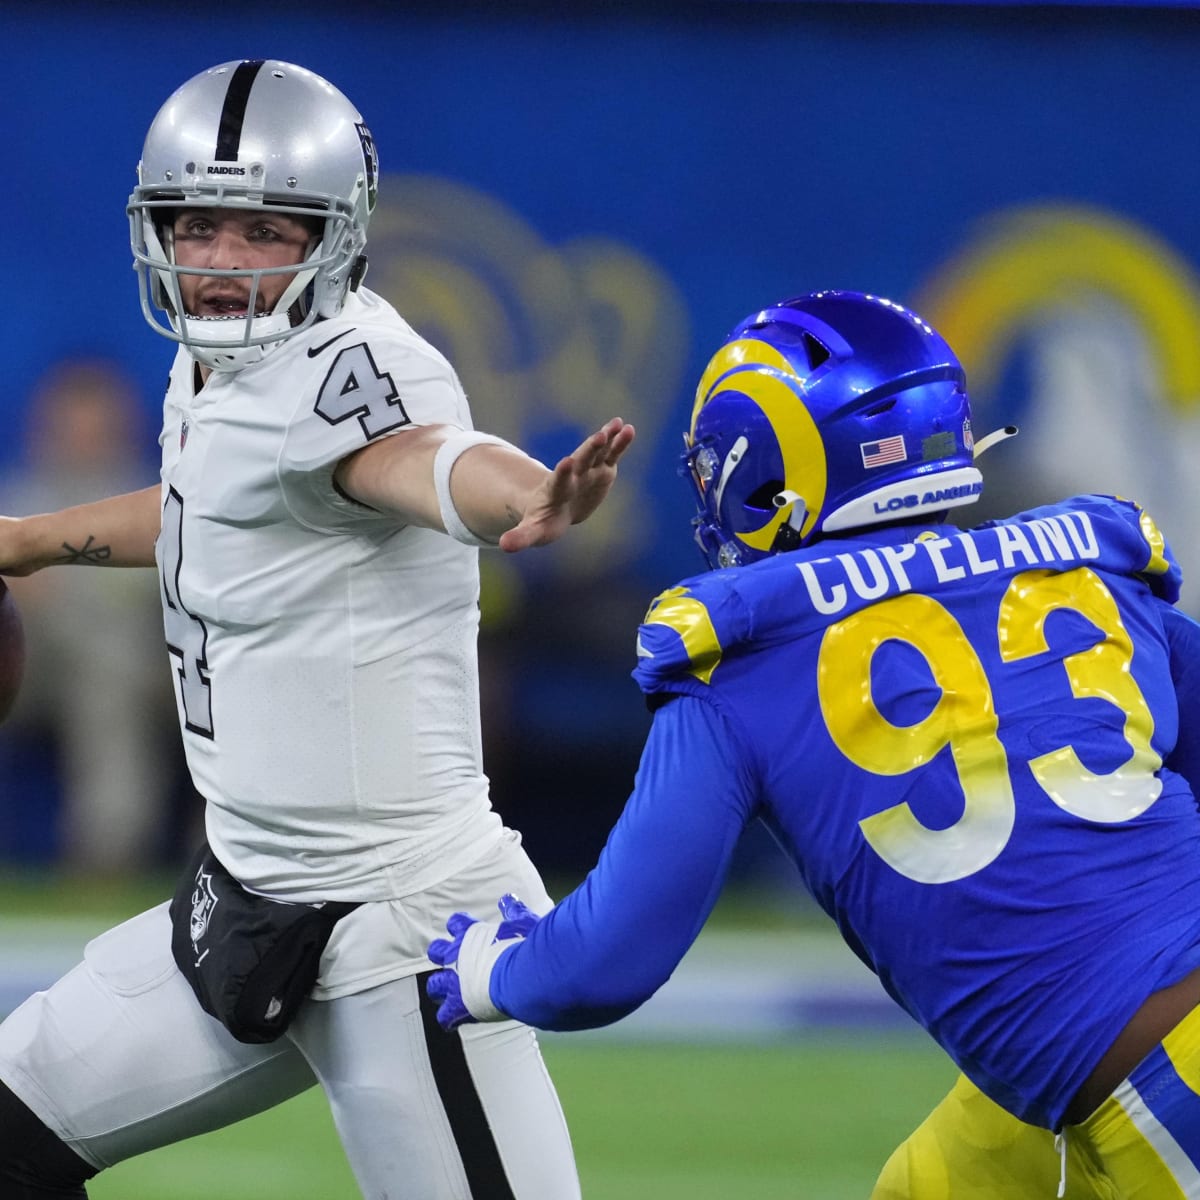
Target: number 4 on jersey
[
  {"x": 356, "y": 387},
  {"x": 187, "y": 636}
]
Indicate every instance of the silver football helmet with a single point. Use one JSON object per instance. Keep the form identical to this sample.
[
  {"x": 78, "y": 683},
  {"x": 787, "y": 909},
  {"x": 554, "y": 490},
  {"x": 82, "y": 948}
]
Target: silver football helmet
[{"x": 254, "y": 134}]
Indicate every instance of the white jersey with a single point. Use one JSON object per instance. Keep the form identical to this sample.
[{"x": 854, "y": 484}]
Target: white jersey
[{"x": 324, "y": 655}]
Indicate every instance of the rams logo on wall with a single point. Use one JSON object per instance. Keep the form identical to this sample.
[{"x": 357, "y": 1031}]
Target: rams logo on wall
[
  {"x": 547, "y": 339},
  {"x": 1081, "y": 328}
]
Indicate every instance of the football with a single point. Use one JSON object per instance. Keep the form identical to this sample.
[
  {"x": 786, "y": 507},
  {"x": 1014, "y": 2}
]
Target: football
[{"x": 12, "y": 651}]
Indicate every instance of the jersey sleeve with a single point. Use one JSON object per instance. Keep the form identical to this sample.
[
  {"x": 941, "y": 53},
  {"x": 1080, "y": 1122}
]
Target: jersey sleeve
[
  {"x": 609, "y": 945},
  {"x": 367, "y": 385},
  {"x": 1183, "y": 639}
]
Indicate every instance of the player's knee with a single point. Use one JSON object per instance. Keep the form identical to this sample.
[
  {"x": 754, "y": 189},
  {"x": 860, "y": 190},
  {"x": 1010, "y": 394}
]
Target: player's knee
[{"x": 35, "y": 1163}]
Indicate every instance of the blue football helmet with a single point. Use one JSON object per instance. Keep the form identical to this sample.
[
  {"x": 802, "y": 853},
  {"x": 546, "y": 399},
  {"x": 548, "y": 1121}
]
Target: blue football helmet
[{"x": 823, "y": 414}]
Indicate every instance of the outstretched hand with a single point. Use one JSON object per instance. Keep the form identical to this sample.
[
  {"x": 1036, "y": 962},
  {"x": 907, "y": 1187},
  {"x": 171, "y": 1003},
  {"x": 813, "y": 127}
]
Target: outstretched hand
[{"x": 575, "y": 489}]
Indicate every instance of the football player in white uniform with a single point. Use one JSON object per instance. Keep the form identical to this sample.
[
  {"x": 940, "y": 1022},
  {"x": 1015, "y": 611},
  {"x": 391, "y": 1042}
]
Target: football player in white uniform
[{"x": 316, "y": 453}]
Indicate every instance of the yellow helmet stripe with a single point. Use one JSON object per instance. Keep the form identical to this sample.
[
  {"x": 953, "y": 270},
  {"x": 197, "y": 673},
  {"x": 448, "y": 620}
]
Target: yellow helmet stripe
[
  {"x": 778, "y": 391},
  {"x": 743, "y": 352}
]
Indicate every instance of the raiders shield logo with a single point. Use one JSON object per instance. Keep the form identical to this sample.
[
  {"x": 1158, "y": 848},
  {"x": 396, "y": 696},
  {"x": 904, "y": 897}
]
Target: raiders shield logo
[
  {"x": 370, "y": 162},
  {"x": 204, "y": 900}
]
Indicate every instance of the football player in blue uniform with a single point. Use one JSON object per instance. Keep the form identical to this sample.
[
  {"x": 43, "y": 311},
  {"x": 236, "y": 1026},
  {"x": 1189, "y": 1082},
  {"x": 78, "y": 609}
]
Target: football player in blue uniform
[{"x": 976, "y": 746}]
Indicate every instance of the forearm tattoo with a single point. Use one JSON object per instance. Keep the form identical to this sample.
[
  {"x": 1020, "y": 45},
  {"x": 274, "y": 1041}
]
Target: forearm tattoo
[{"x": 88, "y": 553}]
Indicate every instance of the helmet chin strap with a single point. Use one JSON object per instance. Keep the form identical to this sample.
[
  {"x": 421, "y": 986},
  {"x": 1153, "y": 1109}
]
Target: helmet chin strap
[
  {"x": 164, "y": 289},
  {"x": 301, "y": 281}
]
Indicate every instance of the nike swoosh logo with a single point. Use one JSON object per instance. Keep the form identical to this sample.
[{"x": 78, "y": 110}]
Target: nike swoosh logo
[{"x": 313, "y": 351}]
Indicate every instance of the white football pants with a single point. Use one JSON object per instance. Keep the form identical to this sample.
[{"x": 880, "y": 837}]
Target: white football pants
[{"x": 118, "y": 1058}]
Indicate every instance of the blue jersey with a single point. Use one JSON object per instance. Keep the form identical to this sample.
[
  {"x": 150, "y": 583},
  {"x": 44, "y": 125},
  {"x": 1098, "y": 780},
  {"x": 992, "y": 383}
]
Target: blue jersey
[{"x": 968, "y": 742}]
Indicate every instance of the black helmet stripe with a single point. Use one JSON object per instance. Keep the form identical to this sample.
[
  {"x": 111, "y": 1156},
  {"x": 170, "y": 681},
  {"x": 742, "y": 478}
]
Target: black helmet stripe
[{"x": 233, "y": 113}]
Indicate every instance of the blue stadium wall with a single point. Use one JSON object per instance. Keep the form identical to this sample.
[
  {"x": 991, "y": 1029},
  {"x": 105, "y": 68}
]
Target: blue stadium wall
[{"x": 578, "y": 200}]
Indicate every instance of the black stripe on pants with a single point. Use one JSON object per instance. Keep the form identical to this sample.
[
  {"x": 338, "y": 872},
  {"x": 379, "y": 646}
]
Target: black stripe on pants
[{"x": 468, "y": 1123}]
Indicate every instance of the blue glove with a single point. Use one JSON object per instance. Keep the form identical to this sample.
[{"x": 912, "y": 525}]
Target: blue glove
[
  {"x": 467, "y": 958},
  {"x": 443, "y": 986}
]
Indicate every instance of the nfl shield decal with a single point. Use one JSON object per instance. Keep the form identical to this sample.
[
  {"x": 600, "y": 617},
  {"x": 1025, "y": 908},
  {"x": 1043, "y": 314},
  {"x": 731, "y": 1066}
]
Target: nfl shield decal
[{"x": 204, "y": 900}]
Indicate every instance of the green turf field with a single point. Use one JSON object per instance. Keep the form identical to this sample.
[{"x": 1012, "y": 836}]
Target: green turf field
[
  {"x": 809, "y": 1117},
  {"x": 789, "y": 1121}
]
